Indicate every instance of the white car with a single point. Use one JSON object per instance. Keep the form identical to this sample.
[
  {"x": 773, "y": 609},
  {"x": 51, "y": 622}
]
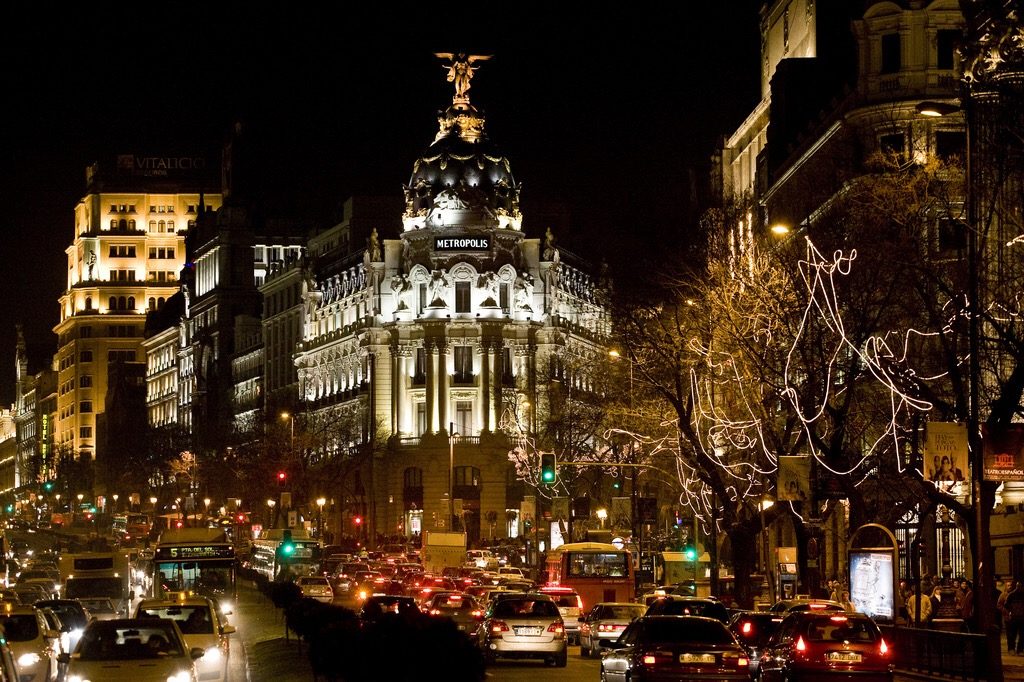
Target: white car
[
  {"x": 33, "y": 643},
  {"x": 202, "y": 627},
  {"x": 149, "y": 650},
  {"x": 316, "y": 587},
  {"x": 482, "y": 558},
  {"x": 511, "y": 571}
]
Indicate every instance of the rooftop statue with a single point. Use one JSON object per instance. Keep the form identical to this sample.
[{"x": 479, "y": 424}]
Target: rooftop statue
[{"x": 460, "y": 71}]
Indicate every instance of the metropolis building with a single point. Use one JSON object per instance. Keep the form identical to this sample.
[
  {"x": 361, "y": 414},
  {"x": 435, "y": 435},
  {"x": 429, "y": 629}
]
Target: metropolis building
[{"x": 428, "y": 346}]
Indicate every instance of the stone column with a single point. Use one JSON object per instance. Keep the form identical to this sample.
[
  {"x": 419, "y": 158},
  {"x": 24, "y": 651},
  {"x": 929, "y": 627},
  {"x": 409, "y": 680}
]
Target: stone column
[
  {"x": 401, "y": 401},
  {"x": 496, "y": 358},
  {"x": 442, "y": 387},
  {"x": 485, "y": 381},
  {"x": 431, "y": 353},
  {"x": 396, "y": 382}
]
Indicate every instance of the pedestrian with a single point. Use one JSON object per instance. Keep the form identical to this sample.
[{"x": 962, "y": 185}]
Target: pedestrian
[
  {"x": 847, "y": 603},
  {"x": 1013, "y": 611},
  {"x": 919, "y": 609},
  {"x": 967, "y": 604}
]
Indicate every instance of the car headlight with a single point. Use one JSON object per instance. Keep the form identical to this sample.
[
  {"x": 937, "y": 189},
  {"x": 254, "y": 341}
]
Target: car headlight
[
  {"x": 78, "y": 678},
  {"x": 181, "y": 676},
  {"x": 28, "y": 660},
  {"x": 76, "y": 633},
  {"x": 227, "y": 607},
  {"x": 212, "y": 655}
]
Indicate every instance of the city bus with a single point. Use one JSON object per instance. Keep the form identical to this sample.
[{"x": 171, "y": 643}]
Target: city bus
[
  {"x": 304, "y": 560},
  {"x": 132, "y": 527},
  {"x": 198, "y": 560},
  {"x": 596, "y": 571}
]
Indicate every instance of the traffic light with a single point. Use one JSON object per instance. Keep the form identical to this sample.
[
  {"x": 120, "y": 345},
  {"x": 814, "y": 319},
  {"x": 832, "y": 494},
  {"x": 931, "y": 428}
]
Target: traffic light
[
  {"x": 358, "y": 520},
  {"x": 48, "y": 486},
  {"x": 690, "y": 551},
  {"x": 287, "y": 545},
  {"x": 282, "y": 478},
  {"x": 547, "y": 468}
]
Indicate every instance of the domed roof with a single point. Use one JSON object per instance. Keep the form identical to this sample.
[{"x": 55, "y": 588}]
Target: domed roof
[{"x": 463, "y": 161}]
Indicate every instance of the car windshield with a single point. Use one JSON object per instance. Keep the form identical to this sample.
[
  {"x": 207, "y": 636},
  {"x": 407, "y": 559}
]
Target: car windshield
[
  {"x": 98, "y": 605},
  {"x": 71, "y": 615},
  {"x": 685, "y": 630},
  {"x": 319, "y": 582},
  {"x": 525, "y": 608},
  {"x": 107, "y": 641},
  {"x": 192, "y": 619},
  {"x": 566, "y": 600},
  {"x": 841, "y": 629},
  {"x": 20, "y": 627},
  {"x": 620, "y": 612},
  {"x": 682, "y": 607},
  {"x": 454, "y": 602}
]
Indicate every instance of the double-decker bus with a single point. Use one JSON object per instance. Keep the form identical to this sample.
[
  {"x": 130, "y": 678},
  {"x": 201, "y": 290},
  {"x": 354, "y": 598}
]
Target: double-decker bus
[
  {"x": 199, "y": 560},
  {"x": 597, "y": 571},
  {"x": 304, "y": 559},
  {"x": 132, "y": 527}
]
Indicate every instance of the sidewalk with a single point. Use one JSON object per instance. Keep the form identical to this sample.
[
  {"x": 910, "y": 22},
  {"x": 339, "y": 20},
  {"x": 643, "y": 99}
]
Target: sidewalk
[
  {"x": 1013, "y": 667},
  {"x": 261, "y": 633}
]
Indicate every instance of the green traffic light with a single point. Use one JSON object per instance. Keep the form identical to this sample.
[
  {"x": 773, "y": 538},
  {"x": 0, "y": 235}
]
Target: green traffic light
[
  {"x": 549, "y": 476},
  {"x": 287, "y": 548},
  {"x": 48, "y": 486},
  {"x": 690, "y": 553}
]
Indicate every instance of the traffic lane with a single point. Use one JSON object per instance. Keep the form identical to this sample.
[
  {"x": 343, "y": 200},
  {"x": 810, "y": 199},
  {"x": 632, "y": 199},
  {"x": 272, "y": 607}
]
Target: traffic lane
[{"x": 578, "y": 668}]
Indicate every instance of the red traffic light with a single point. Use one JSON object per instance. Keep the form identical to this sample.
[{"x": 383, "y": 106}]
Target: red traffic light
[
  {"x": 241, "y": 518},
  {"x": 178, "y": 524},
  {"x": 358, "y": 520},
  {"x": 281, "y": 475}
]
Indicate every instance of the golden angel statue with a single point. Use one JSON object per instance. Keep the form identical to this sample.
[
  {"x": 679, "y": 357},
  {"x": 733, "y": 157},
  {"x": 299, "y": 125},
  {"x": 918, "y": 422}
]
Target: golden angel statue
[{"x": 460, "y": 70}]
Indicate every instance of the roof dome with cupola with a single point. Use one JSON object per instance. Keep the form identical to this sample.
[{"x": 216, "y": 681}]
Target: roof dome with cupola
[{"x": 462, "y": 176}]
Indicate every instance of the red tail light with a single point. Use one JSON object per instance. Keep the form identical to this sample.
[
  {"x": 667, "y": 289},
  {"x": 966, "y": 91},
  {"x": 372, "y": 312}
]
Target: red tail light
[
  {"x": 606, "y": 628},
  {"x": 498, "y": 626},
  {"x": 747, "y": 627},
  {"x": 801, "y": 645},
  {"x": 883, "y": 648},
  {"x": 579, "y": 602},
  {"x": 649, "y": 659},
  {"x": 478, "y": 614},
  {"x": 435, "y": 612},
  {"x": 558, "y": 629}
]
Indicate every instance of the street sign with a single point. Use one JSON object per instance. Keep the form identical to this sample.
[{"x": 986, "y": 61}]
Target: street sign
[
  {"x": 293, "y": 518},
  {"x": 560, "y": 508},
  {"x": 647, "y": 509}
]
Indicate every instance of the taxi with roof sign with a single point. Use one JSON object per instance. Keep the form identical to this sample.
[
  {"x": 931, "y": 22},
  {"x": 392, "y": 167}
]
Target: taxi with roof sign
[
  {"x": 202, "y": 626},
  {"x": 33, "y": 643}
]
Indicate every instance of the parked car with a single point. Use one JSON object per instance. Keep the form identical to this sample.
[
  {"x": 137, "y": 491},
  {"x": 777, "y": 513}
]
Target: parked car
[
  {"x": 606, "y": 620},
  {"x": 827, "y": 643},
  {"x": 676, "y": 605},
  {"x": 524, "y": 626},
  {"x": 674, "y": 648},
  {"x": 754, "y": 629}
]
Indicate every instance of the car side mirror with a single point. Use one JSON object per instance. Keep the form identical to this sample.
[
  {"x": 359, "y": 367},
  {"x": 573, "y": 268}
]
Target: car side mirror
[
  {"x": 196, "y": 653},
  {"x": 227, "y": 630},
  {"x": 64, "y": 658}
]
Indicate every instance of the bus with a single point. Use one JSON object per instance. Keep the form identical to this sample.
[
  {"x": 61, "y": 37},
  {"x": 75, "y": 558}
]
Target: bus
[
  {"x": 304, "y": 560},
  {"x": 197, "y": 560},
  {"x": 596, "y": 571},
  {"x": 97, "y": 575},
  {"x": 132, "y": 527}
]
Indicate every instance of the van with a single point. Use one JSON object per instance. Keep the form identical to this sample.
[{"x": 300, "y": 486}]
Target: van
[{"x": 482, "y": 558}]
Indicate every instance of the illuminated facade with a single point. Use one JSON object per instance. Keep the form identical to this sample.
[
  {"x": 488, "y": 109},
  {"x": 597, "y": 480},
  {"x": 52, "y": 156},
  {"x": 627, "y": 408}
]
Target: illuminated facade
[
  {"x": 434, "y": 340},
  {"x": 124, "y": 260}
]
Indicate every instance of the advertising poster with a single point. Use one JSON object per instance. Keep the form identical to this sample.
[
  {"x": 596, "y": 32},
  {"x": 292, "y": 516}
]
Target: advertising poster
[
  {"x": 794, "y": 478},
  {"x": 1003, "y": 450},
  {"x": 945, "y": 457},
  {"x": 871, "y": 588}
]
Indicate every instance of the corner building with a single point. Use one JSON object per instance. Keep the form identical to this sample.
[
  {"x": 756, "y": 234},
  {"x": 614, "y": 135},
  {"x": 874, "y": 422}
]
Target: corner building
[{"x": 431, "y": 345}]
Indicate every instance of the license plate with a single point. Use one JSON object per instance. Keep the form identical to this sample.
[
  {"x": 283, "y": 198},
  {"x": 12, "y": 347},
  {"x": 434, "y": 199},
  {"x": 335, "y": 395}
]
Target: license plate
[
  {"x": 696, "y": 658},
  {"x": 843, "y": 656},
  {"x": 530, "y": 632},
  {"x": 462, "y": 627}
]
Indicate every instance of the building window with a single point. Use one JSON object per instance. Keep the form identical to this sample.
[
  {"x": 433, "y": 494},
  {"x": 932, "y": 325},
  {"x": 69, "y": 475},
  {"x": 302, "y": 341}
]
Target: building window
[
  {"x": 88, "y": 302},
  {"x": 86, "y": 332},
  {"x": 412, "y": 478},
  {"x": 952, "y": 235},
  {"x": 950, "y": 144},
  {"x": 421, "y": 299},
  {"x": 85, "y": 432},
  {"x": 421, "y": 418},
  {"x": 503, "y": 298},
  {"x": 464, "y": 417},
  {"x": 891, "y": 145},
  {"x": 420, "y": 372},
  {"x": 85, "y": 406},
  {"x": 85, "y": 381},
  {"x": 946, "y": 42},
  {"x": 891, "y": 58},
  {"x": 468, "y": 477},
  {"x": 462, "y": 304},
  {"x": 85, "y": 356},
  {"x": 463, "y": 364},
  {"x": 506, "y": 367}
]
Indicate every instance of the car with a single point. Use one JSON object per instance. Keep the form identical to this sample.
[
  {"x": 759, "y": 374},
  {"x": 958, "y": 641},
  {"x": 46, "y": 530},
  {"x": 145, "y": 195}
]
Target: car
[
  {"x": 461, "y": 608},
  {"x": 753, "y": 629},
  {"x": 676, "y": 605},
  {"x": 524, "y": 626},
  {"x": 73, "y": 618},
  {"x": 316, "y": 587},
  {"x": 8, "y": 595},
  {"x": 674, "y": 648},
  {"x": 31, "y": 592},
  {"x": 100, "y": 608},
  {"x": 8, "y": 668},
  {"x": 132, "y": 649},
  {"x": 482, "y": 558},
  {"x": 605, "y": 620},
  {"x": 511, "y": 571},
  {"x": 570, "y": 604},
  {"x": 823, "y": 643},
  {"x": 48, "y": 585},
  {"x": 202, "y": 628},
  {"x": 32, "y": 642},
  {"x": 378, "y": 606},
  {"x": 806, "y": 604}
]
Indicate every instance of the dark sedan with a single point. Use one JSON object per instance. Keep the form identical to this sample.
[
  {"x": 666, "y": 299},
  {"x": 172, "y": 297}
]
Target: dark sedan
[
  {"x": 813, "y": 645},
  {"x": 677, "y": 605},
  {"x": 753, "y": 629},
  {"x": 674, "y": 648}
]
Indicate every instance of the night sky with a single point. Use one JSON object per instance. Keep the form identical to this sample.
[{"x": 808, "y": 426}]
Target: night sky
[{"x": 604, "y": 116}]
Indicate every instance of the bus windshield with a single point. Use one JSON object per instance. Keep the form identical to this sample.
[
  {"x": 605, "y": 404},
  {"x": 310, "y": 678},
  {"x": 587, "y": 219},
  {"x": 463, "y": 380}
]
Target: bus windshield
[
  {"x": 80, "y": 588},
  {"x": 598, "y": 564}
]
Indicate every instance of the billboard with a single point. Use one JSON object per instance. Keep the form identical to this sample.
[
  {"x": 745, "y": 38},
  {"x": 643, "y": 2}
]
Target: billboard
[
  {"x": 793, "y": 482},
  {"x": 945, "y": 457},
  {"x": 871, "y": 583},
  {"x": 1003, "y": 450}
]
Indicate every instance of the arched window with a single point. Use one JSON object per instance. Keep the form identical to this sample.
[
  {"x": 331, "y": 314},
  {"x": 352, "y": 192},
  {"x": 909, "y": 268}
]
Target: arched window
[
  {"x": 152, "y": 303},
  {"x": 88, "y": 302},
  {"x": 122, "y": 224},
  {"x": 121, "y": 303},
  {"x": 152, "y": 226},
  {"x": 160, "y": 302},
  {"x": 113, "y": 223},
  {"x": 160, "y": 226},
  {"x": 131, "y": 224},
  {"x": 131, "y": 303},
  {"x": 113, "y": 303}
]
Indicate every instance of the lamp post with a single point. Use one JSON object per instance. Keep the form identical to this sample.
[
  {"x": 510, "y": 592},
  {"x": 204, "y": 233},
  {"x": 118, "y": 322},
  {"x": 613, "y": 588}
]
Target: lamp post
[
  {"x": 451, "y": 473},
  {"x": 602, "y": 514},
  {"x": 320, "y": 502},
  {"x": 206, "y": 502},
  {"x": 290, "y": 418},
  {"x": 270, "y": 515}
]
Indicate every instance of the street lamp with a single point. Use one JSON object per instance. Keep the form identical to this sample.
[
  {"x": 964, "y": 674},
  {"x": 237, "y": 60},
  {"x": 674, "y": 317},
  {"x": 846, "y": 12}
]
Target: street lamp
[
  {"x": 602, "y": 514},
  {"x": 320, "y": 502},
  {"x": 270, "y": 515},
  {"x": 291, "y": 424},
  {"x": 206, "y": 501},
  {"x": 115, "y": 496}
]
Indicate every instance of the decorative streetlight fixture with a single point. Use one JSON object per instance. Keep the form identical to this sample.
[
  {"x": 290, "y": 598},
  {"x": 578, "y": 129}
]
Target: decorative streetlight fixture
[
  {"x": 115, "y": 496},
  {"x": 291, "y": 424},
  {"x": 602, "y": 514},
  {"x": 320, "y": 502},
  {"x": 206, "y": 501},
  {"x": 270, "y": 520},
  {"x": 451, "y": 473}
]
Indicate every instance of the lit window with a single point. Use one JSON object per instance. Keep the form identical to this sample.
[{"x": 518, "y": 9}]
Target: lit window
[{"x": 462, "y": 297}]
